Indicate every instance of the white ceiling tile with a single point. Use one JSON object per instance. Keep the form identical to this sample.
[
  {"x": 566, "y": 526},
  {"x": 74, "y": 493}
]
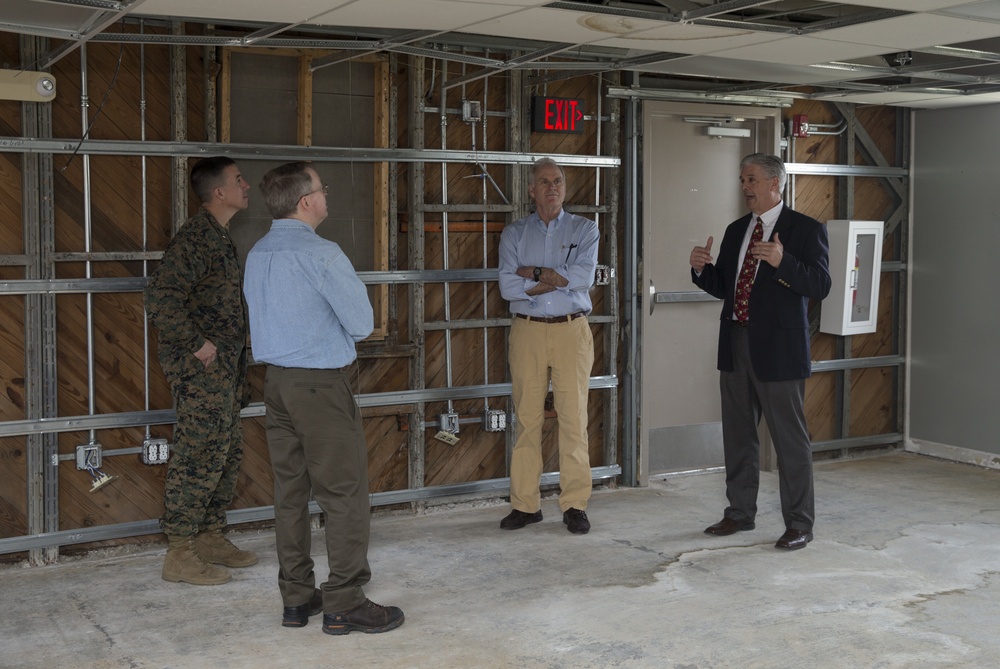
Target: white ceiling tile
[
  {"x": 914, "y": 31},
  {"x": 729, "y": 68},
  {"x": 520, "y": 3},
  {"x": 907, "y": 5},
  {"x": 26, "y": 13},
  {"x": 424, "y": 15},
  {"x": 918, "y": 100},
  {"x": 981, "y": 10},
  {"x": 801, "y": 51},
  {"x": 265, "y": 11},
  {"x": 556, "y": 25},
  {"x": 957, "y": 101},
  {"x": 881, "y": 97},
  {"x": 687, "y": 38}
]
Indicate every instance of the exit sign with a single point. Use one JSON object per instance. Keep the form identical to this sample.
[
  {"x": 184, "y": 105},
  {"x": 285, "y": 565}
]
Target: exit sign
[{"x": 556, "y": 114}]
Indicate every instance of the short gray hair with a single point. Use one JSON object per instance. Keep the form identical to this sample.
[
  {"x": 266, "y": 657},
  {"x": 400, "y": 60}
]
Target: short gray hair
[
  {"x": 773, "y": 167},
  {"x": 284, "y": 186},
  {"x": 545, "y": 162}
]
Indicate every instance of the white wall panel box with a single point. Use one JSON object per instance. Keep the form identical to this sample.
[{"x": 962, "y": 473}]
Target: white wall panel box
[{"x": 855, "y": 268}]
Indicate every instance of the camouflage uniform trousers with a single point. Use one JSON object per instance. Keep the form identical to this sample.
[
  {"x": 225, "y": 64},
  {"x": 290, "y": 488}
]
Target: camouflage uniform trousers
[{"x": 208, "y": 443}]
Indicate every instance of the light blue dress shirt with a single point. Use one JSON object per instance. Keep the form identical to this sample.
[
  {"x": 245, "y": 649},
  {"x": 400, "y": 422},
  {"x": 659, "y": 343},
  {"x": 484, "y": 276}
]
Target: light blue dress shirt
[
  {"x": 568, "y": 245},
  {"x": 307, "y": 305}
]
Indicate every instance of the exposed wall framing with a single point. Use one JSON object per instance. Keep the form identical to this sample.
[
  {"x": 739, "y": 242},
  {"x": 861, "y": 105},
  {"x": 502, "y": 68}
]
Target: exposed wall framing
[
  {"x": 302, "y": 107},
  {"x": 77, "y": 361},
  {"x": 854, "y": 398},
  {"x": 107, "y": 358}
]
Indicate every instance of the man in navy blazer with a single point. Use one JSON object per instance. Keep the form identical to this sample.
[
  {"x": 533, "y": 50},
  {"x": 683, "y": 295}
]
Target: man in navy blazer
[{"x": 764, "y": 345}]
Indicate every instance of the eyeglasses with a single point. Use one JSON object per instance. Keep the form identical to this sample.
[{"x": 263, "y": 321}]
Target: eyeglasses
[{"x": 324, "y": 188}]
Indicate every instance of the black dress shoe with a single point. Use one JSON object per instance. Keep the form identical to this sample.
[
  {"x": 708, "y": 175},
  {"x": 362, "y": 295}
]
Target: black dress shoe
[
  {"x": 515, "y": 520},
  {"x": 793, "y": 540},
  {"x": 298, "y": 616},
  {"x": 370, "y": 618},
  {"x": 728, "y": 526},
  {"x": 576, "y": 521}
]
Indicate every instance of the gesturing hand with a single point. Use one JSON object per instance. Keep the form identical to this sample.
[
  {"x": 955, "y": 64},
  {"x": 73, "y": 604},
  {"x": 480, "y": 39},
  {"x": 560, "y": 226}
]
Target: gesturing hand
[
  {"x": 769, "y": 252},
  {"x": 701, "y": 256}
]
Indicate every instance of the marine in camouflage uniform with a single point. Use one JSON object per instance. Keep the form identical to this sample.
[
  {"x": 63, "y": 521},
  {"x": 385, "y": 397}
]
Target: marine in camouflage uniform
[{"x": 195, "y": 300}]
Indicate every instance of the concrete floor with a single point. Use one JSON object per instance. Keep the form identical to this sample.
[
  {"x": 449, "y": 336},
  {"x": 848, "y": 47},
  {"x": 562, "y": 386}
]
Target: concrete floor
[{"x": 903, "y": 573}]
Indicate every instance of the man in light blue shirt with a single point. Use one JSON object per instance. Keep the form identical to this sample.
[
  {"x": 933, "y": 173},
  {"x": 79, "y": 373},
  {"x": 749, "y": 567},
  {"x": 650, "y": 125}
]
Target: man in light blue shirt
[
  {"x": 547, "y": 266},
  {"x": 308, "y": 308}
]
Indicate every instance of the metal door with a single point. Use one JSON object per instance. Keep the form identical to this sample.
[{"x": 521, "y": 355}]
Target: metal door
[{"x": 691, "y": 156}]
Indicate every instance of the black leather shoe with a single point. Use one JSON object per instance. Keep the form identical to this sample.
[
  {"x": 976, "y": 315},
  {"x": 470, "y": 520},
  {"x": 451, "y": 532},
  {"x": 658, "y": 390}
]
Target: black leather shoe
[
  {"x": 576, "y": 521},
  {"x": 370, "y": 618},
  {"x": 515, "y": 520},
  {"x": 728, "y": 526},
  {"x": 792, "y": 540},
  {"x": 298, "y": 616}
]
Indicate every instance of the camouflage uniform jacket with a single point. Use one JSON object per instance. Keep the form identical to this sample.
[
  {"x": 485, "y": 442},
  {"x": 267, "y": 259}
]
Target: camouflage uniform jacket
[{"x": 196, "y": 293}]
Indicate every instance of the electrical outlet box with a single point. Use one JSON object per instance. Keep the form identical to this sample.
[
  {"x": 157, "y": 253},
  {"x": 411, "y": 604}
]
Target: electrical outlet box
[
  {"x": 495, "y": 420},
  {"x": 448, "y": 422},
  {"x": 88, "y": 456},
  {"x": 155, "y": 451},
  {"x": 603, "y": 275},
  {"x": 472, "y": 111}
]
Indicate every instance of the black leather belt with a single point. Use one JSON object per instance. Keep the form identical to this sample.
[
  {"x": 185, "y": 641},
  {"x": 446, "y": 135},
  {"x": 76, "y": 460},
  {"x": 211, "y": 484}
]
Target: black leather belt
[
  {"x": 741, "y": 324},
  {"x": 554, "y": 319}
]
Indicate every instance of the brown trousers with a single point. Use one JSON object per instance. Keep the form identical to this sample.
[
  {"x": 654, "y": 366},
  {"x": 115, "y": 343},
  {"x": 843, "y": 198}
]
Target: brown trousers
[{"x": 317, "y": 443}]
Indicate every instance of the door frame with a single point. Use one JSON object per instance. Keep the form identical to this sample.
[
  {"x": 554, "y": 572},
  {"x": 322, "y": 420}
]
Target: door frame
[{"x": 635, "y": 461}]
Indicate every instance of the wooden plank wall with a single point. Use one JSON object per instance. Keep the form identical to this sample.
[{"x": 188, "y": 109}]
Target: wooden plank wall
[
  {"x": 481, "y": 455},
  {"x": 384, "y": 365},
  {"x": 872, "y": 391}
]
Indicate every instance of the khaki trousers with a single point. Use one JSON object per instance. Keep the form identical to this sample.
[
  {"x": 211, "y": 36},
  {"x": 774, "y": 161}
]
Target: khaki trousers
[{"x": 566, "y": 350}]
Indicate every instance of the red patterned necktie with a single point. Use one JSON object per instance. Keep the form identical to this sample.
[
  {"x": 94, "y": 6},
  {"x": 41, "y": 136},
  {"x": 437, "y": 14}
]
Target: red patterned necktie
[{"x": 741, "y": 305}]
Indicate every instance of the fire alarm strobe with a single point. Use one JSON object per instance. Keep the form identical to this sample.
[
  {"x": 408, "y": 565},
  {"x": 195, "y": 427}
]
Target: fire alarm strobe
[{"x": 800, "y": 125}]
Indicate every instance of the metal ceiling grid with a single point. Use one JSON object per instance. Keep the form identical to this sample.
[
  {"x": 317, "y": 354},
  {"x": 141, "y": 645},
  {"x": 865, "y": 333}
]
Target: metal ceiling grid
[{"x": 897, "y": 52}]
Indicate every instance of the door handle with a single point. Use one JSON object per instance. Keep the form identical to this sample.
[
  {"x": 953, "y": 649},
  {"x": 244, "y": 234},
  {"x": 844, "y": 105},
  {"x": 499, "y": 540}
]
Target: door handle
[{"x": 676, "y": 296}]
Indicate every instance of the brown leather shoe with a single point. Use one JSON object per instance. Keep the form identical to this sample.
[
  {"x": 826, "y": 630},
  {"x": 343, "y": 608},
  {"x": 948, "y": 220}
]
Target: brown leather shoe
[
  {"x": 298, "y": 616},
  {"x": 792, "y": 540},
  {"x": 728, "y": 526},
  {"x": 369, "y": 618},
  {"x": 515, "y": 520}
]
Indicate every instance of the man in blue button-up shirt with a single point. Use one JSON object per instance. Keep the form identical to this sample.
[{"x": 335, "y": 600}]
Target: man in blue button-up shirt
[
  {"x": 308, "y": 308},
  {"x": 547, "y": 265}
]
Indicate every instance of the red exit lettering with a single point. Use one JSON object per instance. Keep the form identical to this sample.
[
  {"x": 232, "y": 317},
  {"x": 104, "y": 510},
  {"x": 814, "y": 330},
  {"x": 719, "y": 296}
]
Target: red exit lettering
[
  {"x": 562, "y": 114},
  {"x": 557, "y": 114}
]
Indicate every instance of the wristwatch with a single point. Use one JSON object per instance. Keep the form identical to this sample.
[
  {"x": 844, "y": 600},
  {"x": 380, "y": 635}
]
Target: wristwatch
[{"x": 537, "y": 273}]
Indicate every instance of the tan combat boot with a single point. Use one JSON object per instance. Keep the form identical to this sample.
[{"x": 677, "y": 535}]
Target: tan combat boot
[
  {"x": 184, "y": 565},
  {"x": 214, "y": 547}
]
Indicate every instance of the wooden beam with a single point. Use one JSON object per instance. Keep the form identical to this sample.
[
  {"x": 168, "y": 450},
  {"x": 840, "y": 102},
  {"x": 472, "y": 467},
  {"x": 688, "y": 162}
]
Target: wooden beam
[
  {"x": 381, "y": 190},
  {"x": 305, "y": 93},
  {"x": 225, "y": 96}
]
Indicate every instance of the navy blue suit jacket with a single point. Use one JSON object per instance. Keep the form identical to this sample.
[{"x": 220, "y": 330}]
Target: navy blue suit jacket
[{"x": 779, "y": 299}]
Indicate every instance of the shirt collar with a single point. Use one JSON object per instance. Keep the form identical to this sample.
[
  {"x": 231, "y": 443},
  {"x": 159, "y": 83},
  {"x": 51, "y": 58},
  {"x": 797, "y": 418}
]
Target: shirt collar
[
  {"x": 291, "y": 223},
  {"x": 558, "y": 219},
  {"x": 770, "y": 217}
]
